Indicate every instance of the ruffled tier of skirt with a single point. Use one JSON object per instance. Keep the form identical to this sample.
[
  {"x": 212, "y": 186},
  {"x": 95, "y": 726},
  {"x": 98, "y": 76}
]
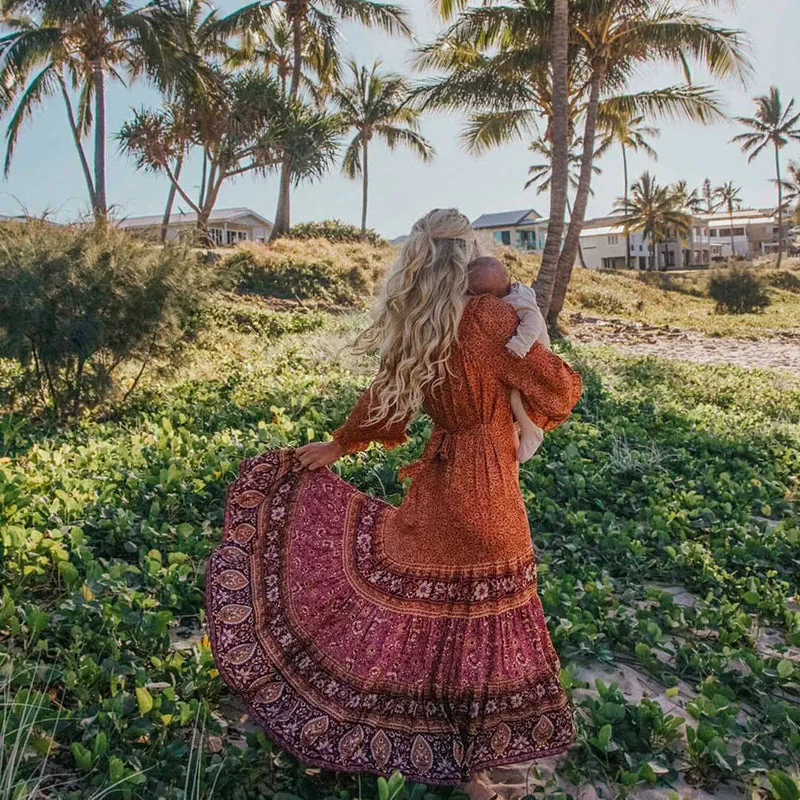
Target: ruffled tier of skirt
[{"x": 356, "y": 663}]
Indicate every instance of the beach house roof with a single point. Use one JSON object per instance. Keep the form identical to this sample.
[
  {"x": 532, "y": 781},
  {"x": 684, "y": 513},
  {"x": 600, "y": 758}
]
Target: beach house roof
[
  {"x": 507, "y": 219},
  {"x": 190, "y": 218}
]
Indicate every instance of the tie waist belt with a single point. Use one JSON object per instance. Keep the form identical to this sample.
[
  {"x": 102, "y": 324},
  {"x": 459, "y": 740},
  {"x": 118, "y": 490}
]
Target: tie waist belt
[{"x": 442, "y": 445}]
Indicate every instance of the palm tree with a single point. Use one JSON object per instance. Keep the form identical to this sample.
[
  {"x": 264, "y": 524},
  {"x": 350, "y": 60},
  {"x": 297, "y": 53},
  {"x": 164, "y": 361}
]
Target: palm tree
[
  {"x": 774, "y": 125},
  {"x": 791, "y": 188},
  {"x": 373, "y": 105},
  {"x": 319, "y": 20},
  {"x": 689, "y": 198},
  {"x": 656, "y": 212},
  {"x": 496, "y": 68},
  {"x": 559, "y": 125},
  {"x": 541, "y": 175},
  {"x": 54, "y": 48},
  {"x": 729, "y": 197},
  {"x": 629, "y": 132},
  {"x": 250, "y": 130}
]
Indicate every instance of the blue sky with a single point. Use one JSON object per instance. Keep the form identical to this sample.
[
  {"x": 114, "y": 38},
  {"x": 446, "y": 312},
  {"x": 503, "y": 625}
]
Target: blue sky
[{"x": 46, "y": 174}]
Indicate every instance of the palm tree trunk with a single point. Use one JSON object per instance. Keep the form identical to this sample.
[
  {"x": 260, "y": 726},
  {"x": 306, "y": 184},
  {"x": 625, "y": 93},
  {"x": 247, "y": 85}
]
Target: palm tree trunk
[
  {"x": 100, "y": 201},
  {"x": 73, "y": 125},
  {"x": 780, "y": 205},
  {"x": 566, "y": 261},
  {"x": 559, "y": 135},
  {"x": 283, "y": 213},
  {"x": 170, "y": 202},
  {"x": 627, "y": 231},
  {"x": 364, "y": 190},
  {"x": 580, "y": 248}
]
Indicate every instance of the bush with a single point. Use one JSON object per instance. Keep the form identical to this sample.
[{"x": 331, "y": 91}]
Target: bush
[
  {"x": 738, "y": 291},
  {"x": 78, "y": 304},
  {"x": 784, "y": 279},
  {"x": 334, "y": 230},
  {"x": 317, "y": 269},
  {"x": 262, "y": 321}
]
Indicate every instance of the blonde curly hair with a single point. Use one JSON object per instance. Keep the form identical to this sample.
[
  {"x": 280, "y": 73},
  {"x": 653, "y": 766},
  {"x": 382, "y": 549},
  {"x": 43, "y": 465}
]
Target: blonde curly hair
[{"x": 416, "y": 319}]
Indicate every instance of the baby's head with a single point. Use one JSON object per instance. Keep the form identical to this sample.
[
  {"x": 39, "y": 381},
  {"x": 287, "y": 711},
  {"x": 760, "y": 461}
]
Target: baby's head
[{"x": 487, "y": 275}]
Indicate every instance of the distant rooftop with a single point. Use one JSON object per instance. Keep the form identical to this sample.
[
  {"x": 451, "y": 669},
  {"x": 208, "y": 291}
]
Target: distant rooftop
[
  {"x": 506, "y": 218},
  {"x": 740, "y": 213},
  {"x": 217, "y": 215}
]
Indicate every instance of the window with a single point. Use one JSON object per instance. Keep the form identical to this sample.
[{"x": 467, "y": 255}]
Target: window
[
  {"x": 215, "y": 234},
  {"x": 235, "y": 236},
  {"x": 724, "y": 231},
  {"x": 502, "y": 237},
  {"x": 738, "y": 231},
  {"x": 670, "y": 258},
  {"x": 713, "y": 233},
  {"x": 613, "y": 239}
]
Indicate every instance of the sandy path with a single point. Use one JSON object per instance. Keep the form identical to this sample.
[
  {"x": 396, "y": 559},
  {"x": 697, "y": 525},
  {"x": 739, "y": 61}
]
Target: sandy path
[{"x": 781, "y": 352}]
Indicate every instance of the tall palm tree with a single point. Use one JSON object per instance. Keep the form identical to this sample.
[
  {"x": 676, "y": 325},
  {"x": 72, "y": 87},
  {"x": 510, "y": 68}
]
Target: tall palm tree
[
  {"x": 629, "y": 132},
  {"x": 559, "y": 128},
  {"x": 375, "y": 104},
  {"x": 55, "y": 48},
  {"x": 776, "y": 125},
  {"x": 729, "y": 197},
  {"x": 656, "y": 212},
  {"x": 319, "y": 19},
  {"x": 495, "y": 68}
]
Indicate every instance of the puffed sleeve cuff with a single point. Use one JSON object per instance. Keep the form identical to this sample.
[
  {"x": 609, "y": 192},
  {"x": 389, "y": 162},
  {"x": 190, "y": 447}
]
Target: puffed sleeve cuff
[
  {"x": 554, "y": 417},
  {"x": 352, "y": 441}
]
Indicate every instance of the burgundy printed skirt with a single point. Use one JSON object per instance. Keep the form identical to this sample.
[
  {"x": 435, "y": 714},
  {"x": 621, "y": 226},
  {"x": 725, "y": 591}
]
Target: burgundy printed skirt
[{"x": 355, "y": 663}]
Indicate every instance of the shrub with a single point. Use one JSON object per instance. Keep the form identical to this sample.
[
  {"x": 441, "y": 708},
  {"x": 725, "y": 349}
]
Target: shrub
[
  {"x": 262, "y": 321},
  {"x": 78, "y": 304},
  {"x": 334, "y": 230},
  {"x": 737, "y": 291},
  {"x": 602, "y": 300},
  {"x": 784, "y": 279},
  {"x": 315, "y": 269}
]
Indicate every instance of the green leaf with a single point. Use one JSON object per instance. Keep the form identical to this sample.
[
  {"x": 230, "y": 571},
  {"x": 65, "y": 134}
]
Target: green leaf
[
  {"x": 383, "y": 789},
  {"x": 145, "y": 700},
  {"x": 82, "y": 756},
  {"x": 785, "y": 668},
  {"x": 604, "y": 736},
  {"x": 783, "y": 787},
  {"x": 395, "y": 784},
  {"x": 116, "y": 769},
  {"x": 68, "y": 572}
]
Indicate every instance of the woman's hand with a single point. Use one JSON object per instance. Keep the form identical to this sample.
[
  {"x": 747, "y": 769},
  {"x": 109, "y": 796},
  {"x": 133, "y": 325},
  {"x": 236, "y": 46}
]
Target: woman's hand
[{"x": 319, "y": 454}]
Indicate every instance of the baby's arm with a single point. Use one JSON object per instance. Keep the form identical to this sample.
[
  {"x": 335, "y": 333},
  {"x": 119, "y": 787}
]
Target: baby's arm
[{"x": 532, "y": 327}]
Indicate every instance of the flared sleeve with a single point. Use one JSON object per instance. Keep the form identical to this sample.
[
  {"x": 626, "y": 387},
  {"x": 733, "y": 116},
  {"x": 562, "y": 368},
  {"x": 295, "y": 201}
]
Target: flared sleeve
[
  {"x": 356, "y": 433},
  {"x": 549, "y": 386}
]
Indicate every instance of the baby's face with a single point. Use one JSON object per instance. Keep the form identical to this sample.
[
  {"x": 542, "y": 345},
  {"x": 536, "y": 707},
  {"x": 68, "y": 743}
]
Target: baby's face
[{"x": 487, "y": 275}]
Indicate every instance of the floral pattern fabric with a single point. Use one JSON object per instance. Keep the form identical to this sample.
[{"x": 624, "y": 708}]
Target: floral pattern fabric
[{"x": 360, "y": 645}]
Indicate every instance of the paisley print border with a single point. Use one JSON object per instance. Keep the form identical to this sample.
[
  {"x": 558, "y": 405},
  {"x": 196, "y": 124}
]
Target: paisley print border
[{"x": 373, "y": 710}]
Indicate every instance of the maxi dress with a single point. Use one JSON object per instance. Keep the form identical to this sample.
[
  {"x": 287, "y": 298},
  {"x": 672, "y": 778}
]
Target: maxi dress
[{"x": 366, "y": 637}]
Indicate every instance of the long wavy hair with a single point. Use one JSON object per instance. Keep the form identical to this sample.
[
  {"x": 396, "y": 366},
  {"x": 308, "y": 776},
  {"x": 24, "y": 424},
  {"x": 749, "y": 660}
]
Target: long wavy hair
[{"x": 415, "y": 321}]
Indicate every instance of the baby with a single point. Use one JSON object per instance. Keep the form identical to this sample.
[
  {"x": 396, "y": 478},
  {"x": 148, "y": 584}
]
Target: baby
[{"x": 487, "y": 275}]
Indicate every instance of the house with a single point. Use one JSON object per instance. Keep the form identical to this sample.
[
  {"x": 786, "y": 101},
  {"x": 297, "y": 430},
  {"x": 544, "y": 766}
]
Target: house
[
  {"x": 754, "y": 231},
  {"x": 226, "y": 226},
  {"x": 603, "y": 247},
  {"x": 524, "y": 229}
]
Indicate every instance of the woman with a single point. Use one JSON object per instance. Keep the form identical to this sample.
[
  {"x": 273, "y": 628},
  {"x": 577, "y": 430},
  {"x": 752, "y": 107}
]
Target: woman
[{"x": 369, "y": 638}]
